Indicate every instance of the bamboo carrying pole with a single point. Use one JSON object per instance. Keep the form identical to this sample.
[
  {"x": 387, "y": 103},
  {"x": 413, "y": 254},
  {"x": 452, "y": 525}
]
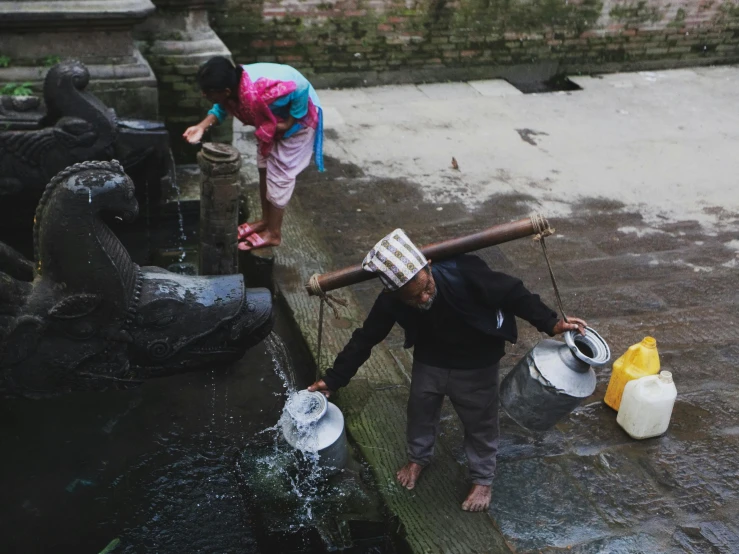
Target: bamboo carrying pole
[{"x": 534, "y": 225}]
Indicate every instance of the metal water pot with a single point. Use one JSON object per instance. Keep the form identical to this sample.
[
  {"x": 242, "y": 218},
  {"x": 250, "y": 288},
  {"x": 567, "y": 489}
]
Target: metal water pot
[
  {"x": 314, "y": 425},
  {"x": 552, "y": 379}
]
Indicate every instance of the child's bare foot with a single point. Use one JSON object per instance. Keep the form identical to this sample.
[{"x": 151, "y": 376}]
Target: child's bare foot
[
  {"x": 408, "y": 474},
  {"x": 478, "y": 500}
]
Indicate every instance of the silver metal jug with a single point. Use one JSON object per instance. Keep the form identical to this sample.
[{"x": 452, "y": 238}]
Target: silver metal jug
[
  {"x": 551, "y": 380},
  {"x": 313, "y": 425}
]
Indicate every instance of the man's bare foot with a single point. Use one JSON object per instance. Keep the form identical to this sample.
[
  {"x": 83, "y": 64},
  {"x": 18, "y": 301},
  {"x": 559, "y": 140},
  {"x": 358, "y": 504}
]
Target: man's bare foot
[
  {"x": 478, "y": 499},
  {"x": 408, "y": 474}
]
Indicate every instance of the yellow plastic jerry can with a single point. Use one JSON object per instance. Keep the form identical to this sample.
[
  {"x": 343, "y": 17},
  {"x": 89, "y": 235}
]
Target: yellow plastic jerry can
[{"x": 639, "y": 360}]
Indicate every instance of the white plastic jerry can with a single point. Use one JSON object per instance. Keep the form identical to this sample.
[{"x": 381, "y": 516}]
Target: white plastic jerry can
[{"x": 646, "y": 406}]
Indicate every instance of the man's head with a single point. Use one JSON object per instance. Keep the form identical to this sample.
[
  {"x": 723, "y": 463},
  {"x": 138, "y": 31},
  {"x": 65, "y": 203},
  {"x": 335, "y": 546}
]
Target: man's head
[
  {"x": 419, "y": 292},
  {"x": 403, "y": 269},
  {"x": 219, "y": 79}
]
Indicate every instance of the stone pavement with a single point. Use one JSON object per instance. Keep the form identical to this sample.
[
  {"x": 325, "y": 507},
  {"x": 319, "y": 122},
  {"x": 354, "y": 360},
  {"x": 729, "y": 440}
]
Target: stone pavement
[{"x": 636, "y": 172}]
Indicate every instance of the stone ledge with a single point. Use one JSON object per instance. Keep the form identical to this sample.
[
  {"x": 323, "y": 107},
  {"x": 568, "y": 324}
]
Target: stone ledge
[
  {"x": 58, "y": 13},
  {"x": 130, "y": 87}
]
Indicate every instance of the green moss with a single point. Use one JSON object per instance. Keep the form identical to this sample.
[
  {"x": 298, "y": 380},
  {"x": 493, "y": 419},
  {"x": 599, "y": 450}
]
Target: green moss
[
  {"x": 679, "y": 20},
  {"x": 15, "y": 89},
  {"x": 514, "y": 16},
  {"x": 730, "y": 10},
  {"x": 51, "y": 60},
  {"x": 436, "y": 31},
  {"x": 637, "y": 12}
]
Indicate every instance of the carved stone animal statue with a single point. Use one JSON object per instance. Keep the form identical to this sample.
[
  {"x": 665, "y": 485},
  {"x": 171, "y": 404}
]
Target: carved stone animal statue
[
  {"x": 76, "y": 126},
  {"x": 85, "y": 317}
]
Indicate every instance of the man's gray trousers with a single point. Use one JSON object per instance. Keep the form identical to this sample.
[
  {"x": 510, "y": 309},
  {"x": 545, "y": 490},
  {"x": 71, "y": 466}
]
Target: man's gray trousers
[{"x": 474, "y": 395}]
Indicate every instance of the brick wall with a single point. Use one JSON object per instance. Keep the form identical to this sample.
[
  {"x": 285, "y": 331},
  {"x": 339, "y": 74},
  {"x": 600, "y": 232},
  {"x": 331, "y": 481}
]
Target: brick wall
[{"x": 351, "y": 42}]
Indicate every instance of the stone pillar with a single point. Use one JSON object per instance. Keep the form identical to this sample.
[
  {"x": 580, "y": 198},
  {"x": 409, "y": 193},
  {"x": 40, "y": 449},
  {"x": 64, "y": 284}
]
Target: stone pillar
[
  {"x": 176, "y": 40},
  {"x": 36, "y": 34},
  {"x": 220, "y": 188}
]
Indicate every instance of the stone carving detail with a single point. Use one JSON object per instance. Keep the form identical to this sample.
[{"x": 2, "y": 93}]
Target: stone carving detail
[
  {"x": 84, "y": 316},
  {"x": 75, "y": 127}
]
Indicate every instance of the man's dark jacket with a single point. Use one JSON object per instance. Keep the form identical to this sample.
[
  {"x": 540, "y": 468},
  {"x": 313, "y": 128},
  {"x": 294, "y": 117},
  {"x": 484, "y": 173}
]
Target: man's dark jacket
[{"x": 487, "y": 300}]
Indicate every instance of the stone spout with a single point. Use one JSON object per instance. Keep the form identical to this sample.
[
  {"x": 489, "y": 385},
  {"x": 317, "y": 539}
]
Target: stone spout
[
  {"x": 89, "y": 318},
  {"x": 38, "y": 140}
]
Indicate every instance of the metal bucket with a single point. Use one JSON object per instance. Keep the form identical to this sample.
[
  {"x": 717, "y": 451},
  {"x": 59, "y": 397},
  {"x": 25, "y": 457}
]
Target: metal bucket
[
  {"x": 313, "y": 425},
  {"x": 552, "y": 379}
]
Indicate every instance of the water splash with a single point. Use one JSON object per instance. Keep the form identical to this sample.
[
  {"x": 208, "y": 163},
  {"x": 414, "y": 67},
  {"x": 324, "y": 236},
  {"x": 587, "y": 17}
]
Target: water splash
[
  {"x": 297, "y": 474},
  {"x": 299, "y": 470}
]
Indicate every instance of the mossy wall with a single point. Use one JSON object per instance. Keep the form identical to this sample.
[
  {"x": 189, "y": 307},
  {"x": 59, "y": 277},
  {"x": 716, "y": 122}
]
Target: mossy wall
[{"x": 354, "y": 42}]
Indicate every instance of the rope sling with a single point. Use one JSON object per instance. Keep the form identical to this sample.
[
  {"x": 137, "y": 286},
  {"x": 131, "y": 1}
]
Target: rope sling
[{"x": 332, "y": 301}]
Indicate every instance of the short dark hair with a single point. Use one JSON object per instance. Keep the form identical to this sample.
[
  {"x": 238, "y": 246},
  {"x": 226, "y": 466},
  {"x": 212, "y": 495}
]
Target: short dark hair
[{"x": 218, "y": 74}]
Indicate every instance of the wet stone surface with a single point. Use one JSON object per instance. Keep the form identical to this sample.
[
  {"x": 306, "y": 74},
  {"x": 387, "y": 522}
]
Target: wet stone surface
[
  {"x": 544, "y": 506},
  {"x": 585, "y": 486},
  {"x": 592, "y": 429},
  {"x": 709, "y": 536},
  {"x": 621, "y": 300},
  {"x": 161, "y": 468},
  {"x": 517, "y": 443},
  {"x": 635, "y": 544},
  {"x": 619, "y": 488}
]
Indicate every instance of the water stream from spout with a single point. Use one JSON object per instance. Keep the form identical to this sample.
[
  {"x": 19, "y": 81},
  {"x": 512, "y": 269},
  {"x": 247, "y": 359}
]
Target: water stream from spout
[
  {"x": 282, "y": 363},
  {"x": 181, "y": 221},
  {"x": 299, "y": 468},
  {"x": 148, "y": 221},
  {"x": 212, "y": 406}
]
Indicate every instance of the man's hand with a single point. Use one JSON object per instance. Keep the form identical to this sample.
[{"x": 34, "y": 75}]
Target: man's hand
[
  {"x": 284, "y": 125},
  {"x": 321, "y": 387},
  {"x": 573, "y": 324}
]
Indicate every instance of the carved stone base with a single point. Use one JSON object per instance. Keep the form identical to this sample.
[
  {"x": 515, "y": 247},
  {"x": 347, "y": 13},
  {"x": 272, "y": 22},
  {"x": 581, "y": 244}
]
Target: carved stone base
[
  {"x": 219, "y": 208},
  {"x": 176, "y": 40},
  {"x": 39, "y": 34}
]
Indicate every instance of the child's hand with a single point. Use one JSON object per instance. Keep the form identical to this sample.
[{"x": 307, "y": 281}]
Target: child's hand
[
  {"x": 193, "y": 134},
  {"x": 285, "y": 124}
]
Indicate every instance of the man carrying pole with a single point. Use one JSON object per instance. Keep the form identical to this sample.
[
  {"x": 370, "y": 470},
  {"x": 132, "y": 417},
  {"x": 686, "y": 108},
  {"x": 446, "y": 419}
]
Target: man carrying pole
[{"x": 457, "y": 314}]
